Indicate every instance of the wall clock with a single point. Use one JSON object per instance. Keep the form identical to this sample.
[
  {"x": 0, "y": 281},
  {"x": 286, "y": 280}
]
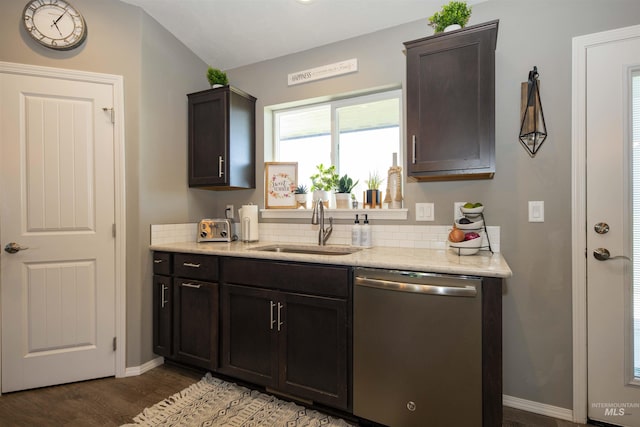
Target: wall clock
[{"x": 55, "y": 24}]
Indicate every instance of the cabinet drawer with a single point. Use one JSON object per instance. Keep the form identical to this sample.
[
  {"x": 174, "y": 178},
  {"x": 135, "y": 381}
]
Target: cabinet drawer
[
  {"x": 162, "y": 263},
  {"x": 294, "y": 277},
  {"x": 194, "y": 266}
]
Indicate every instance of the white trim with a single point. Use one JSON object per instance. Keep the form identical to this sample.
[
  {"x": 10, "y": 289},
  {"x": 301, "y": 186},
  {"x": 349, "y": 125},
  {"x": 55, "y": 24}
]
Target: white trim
[
  {"x": 537, "y": 408},
  {"x": 139, "y": 370},
  {"x": 119, "y": 177},
  {"x": 401, "y": 214},
  {"x": 578, "y": 201}
]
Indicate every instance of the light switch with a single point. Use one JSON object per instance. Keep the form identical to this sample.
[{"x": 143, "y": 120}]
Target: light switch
[
  {"x": 536, "y": 211},
  {"x": 425, "y": 212}
]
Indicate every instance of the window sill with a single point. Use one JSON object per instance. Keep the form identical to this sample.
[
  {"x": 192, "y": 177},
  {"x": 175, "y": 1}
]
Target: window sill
[{"x": 392, "y": 214}]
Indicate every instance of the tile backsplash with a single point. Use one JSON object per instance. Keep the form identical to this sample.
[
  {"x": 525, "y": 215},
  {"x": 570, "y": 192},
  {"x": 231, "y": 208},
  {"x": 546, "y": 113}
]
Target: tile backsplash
[{"x": 406, "y": 236}]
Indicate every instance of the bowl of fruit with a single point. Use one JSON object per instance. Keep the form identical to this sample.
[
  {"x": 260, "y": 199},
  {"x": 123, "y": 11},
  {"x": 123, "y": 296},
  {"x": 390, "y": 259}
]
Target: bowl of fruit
[
  {"x": 472, "y": 209},
  {"x": 464, "y": 243},
  {"x": 465, "y": 223}
]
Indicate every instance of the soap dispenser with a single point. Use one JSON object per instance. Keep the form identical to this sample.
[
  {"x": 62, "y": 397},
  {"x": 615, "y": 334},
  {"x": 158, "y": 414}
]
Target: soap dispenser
[
  {"x": 356, "y": 233},
  {"x": 365, "y": 238}
]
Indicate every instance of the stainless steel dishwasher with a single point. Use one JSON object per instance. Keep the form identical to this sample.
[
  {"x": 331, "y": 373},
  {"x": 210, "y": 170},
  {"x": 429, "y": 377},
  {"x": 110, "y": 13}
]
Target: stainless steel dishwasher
[{"x": 417, "y": 348}]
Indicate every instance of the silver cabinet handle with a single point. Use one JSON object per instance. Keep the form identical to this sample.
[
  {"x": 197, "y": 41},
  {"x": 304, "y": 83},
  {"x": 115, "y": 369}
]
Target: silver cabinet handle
[
  {"x": 455, "y": 291},
  {"x": 603, "y": 254},
  {"x": 413, "y": 139},
  {"x": 279, "y": 314},
  {"x": 158, "y": 261},
  {"x": 164, "y": 299},
  {"x": 220, "y": 163},
  {"x": 272, "y": 321},
  {"x": 13, "y": 248},
  {"x": 190, "y": 285},
  {"x": 189, "y": 264}
]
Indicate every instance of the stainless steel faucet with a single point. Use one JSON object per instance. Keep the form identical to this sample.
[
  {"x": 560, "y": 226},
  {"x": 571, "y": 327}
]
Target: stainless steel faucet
[{"x": 317, "y": 217}]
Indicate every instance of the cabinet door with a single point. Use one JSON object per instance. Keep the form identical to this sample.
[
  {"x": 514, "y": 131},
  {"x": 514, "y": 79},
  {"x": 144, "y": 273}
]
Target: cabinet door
[
  {"x": 162, "y": 315},
  {"x": 249, "y": 328},
  {"x": 196, "y": 322},
  {"x": 450, "y": 105},
  {"x": 208, "y": 130},
  {"x": 314, "y": 349}
]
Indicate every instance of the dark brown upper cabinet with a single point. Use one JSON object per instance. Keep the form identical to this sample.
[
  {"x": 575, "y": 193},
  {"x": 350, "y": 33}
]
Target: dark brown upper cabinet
[
  {"x": 451, "y": 104},
  {"x": 222, "y": 139}
]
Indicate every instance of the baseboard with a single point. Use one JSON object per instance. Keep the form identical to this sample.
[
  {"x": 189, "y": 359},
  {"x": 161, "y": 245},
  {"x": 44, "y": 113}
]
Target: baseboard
[
  {"x": 138, "y": 370},
  {"x": 537, "y": 408}
]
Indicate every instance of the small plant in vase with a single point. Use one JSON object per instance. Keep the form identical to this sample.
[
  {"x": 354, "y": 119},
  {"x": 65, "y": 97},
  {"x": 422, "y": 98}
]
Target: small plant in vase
[
  {"x": 323, "y": 182},
  {"x": 372, "y": 196},
  {"x": 301, "y": 192},
  {"x": 217, "y": 77},
  {"x": 452, "y": 16},
  {"x": 343, "y": 192}
]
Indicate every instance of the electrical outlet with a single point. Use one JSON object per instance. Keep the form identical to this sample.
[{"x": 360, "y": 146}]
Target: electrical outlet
[
  {"x": 457, "y": 213},
  {"x": 228, "y": 212}
]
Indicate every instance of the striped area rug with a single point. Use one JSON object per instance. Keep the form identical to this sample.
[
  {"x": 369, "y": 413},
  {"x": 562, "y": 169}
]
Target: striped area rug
[{"x": 213, "y": 402}]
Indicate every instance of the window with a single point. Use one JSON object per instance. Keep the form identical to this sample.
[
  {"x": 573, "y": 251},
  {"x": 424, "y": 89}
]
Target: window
[{"x": 358, "y": 135}]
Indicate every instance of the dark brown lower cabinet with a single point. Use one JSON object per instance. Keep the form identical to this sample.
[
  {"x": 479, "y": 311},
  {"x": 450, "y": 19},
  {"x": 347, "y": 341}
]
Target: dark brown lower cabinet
[
  {"x": 162, "y": 315},
  {"x": 292, "y": 343},
  {"x": 195, "y": 332}
]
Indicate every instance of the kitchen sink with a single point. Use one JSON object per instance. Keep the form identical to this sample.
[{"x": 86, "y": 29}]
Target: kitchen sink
[{"x": 309, "y": 249}]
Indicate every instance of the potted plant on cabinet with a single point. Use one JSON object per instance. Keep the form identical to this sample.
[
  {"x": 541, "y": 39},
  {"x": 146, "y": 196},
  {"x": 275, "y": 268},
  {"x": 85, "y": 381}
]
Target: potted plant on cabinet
[
  {"x": 323, "y": 182},
  {"x": 301, "y": 192},
  {"x": 343, "y": 192},
  {"x": 453, "y": 16},
  {"x": 217, "y": 77},
  {"x": 372, "y": 196}
]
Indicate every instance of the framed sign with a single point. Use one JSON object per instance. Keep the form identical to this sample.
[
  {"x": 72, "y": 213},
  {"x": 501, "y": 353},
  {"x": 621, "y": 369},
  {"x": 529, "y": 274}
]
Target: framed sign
[{"x": 280, "y": 180}]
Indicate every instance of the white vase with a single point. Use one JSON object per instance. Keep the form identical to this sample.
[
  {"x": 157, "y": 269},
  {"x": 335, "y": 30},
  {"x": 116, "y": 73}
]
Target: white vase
[
  {"x": 323, "y": 195},
  {"x": 301, "y": 200},
  {"x": 452, "y": 27}
]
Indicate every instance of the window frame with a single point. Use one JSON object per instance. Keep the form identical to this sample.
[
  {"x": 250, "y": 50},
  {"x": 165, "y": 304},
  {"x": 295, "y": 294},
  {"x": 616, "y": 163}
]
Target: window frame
[{"x": 334, "y": 130}]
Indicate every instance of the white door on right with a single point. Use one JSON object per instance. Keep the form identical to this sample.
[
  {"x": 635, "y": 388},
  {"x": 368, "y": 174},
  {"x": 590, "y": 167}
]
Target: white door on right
[{"x": 613, "y": 229}]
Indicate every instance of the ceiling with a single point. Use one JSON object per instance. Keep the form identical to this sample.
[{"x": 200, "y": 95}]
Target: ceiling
[{"x": 231, "y": 33}]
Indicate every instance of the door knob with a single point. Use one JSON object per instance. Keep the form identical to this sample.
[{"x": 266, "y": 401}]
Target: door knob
[
  {"x": 603, "y": 254},
  {"x": 13, "y": 247}
]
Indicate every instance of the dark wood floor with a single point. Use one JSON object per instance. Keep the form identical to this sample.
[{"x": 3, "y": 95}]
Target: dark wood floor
[{"x": 113, "y": 402}]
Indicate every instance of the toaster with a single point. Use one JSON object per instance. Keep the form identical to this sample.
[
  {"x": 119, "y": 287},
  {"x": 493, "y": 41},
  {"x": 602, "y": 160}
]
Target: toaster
[{"x": 214, "y": 230}]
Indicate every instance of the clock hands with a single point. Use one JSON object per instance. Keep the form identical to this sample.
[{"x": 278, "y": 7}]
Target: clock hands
[{"x": 55, "y": 22}]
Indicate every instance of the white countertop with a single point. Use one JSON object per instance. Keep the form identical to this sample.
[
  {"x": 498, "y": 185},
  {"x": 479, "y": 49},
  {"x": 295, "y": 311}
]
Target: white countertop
[{"x": 426, "y": 260}]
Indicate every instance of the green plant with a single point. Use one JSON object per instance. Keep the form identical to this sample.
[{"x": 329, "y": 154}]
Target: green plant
[
  {"x": 374, "y": 181},
  {"x": 217, "y": 77},
  {"x": 456, "y": 12},
  {"x": 301, "y": 189},
  {"x": 346, "y": 184},
  {"x": 325, "y": 179}
]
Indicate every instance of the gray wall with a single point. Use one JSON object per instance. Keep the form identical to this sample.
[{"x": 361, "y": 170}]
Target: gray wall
[
  {"x": 537, "y": 299},
  {"x": 158, "y": 71}
]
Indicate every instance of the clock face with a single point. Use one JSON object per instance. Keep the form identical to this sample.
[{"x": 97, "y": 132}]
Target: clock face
[{"x": 55, "y": 24}]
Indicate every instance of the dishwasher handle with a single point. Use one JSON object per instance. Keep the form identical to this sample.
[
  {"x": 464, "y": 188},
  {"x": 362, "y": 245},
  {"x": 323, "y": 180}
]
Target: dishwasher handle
[{"x": 452, "y": 291}]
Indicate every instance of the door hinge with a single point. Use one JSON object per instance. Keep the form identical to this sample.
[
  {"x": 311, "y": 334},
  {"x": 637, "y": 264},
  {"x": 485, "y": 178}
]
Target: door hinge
[
  {"x": 115, "y": 343},
  {"x": 113, "y": 230},
  {"x": 112, "y": 112}
]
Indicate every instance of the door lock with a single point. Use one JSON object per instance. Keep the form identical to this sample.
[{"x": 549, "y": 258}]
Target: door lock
[{"x": 601, "y": 228}]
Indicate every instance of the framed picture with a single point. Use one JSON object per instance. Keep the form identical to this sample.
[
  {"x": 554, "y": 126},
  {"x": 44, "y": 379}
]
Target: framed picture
[{"x": 280, "y": 180}]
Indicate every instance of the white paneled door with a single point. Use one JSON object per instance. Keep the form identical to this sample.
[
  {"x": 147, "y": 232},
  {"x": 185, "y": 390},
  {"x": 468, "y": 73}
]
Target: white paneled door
[
  {"x": 612, "y": 226},
  {"x": 57, "y": 211}
]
